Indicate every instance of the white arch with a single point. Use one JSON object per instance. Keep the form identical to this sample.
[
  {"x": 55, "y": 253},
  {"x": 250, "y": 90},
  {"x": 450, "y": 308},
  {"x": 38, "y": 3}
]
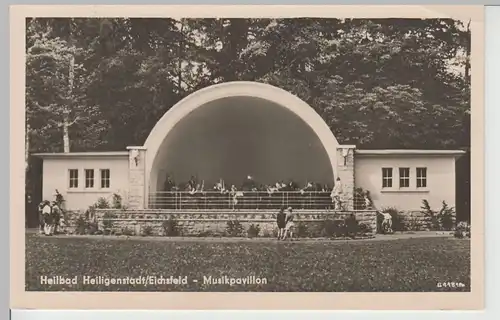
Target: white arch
[{"x": 233, "y": 89}]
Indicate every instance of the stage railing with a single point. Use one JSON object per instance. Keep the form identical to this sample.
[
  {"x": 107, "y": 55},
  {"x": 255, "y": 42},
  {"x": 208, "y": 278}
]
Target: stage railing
[{"x": 245, "y": 200}]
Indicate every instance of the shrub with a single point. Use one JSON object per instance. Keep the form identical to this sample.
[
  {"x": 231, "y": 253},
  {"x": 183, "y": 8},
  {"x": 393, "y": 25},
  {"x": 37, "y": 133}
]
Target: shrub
[
  {"x": 328, "y": 228},
  {"x": 364, "y": 229},
  {"x": 380, "y": 219},
  {"x": 442, "y": 220},
  {"x": 275, "y": 233},
  {"x": 462, "y": 230},
  {"x": 147, "y": 231},
  {"x": 446, "y": 217},
  {"x": 170, "y": 227},
  {"x": 234, "y": 228},
  {"x": 302, "y": 231},
  {"x": 209, "y": 233},
  {"x": 267, "y": 234},
  {"x": 102, "y": 203},
  {"x": 253, "y": 231},
  {"x": 351, "y": 226},
  {"x": 413, "y": 223},
  {"x": 81, "y": 225},
  {"x": 334, "y": 228},
  {"x": 127, "y": 231},
  {"x": 117, "y": 201},
  {"x": 430, "y": 215},
  {"x": 92, "y": 228}
]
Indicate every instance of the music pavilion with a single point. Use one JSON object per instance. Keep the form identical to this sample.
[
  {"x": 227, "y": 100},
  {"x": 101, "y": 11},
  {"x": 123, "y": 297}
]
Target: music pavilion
[{"x": 236, "y": 129}]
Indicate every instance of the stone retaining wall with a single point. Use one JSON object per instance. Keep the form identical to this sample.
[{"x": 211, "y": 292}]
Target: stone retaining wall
[
  {"x": 417, "y": 220},
  {"x": 196, "y": 223}
]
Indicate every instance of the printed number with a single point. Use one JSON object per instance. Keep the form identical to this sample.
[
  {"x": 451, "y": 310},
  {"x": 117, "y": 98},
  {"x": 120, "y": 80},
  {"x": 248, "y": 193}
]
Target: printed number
[{"x": 450, "y": 285}]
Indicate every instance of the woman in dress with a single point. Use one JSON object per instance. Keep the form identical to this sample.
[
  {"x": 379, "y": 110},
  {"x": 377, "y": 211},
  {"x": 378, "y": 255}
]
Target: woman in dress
[
  {"x": 289, "y": 223},
  {"x": 281, "y": 222}
]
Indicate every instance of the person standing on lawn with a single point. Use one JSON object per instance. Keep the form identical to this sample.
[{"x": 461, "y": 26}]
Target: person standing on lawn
[
  {"x": 41, "y": 222},
  {"x": 56, "y": 215},
  {"x": 281, "y": 222},
  {"x": 289, "y": 223},
  {"x": 47, "y": 219}
]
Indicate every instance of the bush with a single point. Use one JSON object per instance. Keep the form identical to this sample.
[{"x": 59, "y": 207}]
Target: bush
[
  {"x": 334, "y": 228},
  {"x": 446, "y": 217},
  {"x": 380, "y": 219},
  {"x": 328, "y": 228},
  {"x": 92, "y": 228},
  {"x": 147, "y": 231},
  {"x": 117, "y": 201},
  {"x": 127, "y": 231},
  {"x": 275, "y": 233},
  {"x": 253, "y": 231},
  {"x": 102, "y": 203},
  {"x": 442, "y": 220},
  {"x": 267, "y": 234},
  {"x": 351, "y": 226},
  {"x": 364, "y": 229},
  {"x": 210, "y": 233},
  {"x": 171, "y": 227},
  {"x": 430, "y": 215},
  {"x": 302, "y": 231},
  {"x": 413, "y": 223},
  {"x": 234, "y": 228},
  {"x": 462, "y": 230},
  {"x": 83, "y": 226}
]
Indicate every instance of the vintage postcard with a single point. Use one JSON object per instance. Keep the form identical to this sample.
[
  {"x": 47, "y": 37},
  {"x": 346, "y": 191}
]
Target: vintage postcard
[{"x": 247, "y": 157}]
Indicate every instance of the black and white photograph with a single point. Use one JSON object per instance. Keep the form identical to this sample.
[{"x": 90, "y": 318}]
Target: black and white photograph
[{"x": 237, "y": 154}]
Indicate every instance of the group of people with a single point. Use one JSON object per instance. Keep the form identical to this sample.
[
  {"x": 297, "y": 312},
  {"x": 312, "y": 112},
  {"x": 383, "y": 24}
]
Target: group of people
[
  {"x": 252, "y": 194},
  {"x": 50, "y": 217},
  {"x": 285, "y": 223}
]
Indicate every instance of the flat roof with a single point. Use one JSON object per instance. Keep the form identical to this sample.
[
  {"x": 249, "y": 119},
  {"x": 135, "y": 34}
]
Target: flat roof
[
  {"x": 81, "y": 154},
  {"x": 410, "y": 152}
]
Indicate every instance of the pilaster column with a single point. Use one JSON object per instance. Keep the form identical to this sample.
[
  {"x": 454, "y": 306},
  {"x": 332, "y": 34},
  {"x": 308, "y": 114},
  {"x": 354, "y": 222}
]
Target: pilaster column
[
  {"x": 345, "y": 171},
  {"x": 136, "y": 177}
]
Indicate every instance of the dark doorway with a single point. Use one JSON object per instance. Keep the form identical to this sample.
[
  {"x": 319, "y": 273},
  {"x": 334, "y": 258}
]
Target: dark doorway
[
  {"x": 462, "y": 188},
  {"x": 33, "y": 192}
]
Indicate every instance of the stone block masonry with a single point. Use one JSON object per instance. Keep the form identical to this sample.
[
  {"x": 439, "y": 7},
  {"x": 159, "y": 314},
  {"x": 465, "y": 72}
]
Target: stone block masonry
[
  {"x": 345, "y": 171},
  {"x": 210, "y": 223},
  {"x": 136, "y": 177}
]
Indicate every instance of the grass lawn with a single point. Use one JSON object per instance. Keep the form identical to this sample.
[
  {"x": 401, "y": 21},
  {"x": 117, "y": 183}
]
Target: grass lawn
[{"x": 395, "y": 265}]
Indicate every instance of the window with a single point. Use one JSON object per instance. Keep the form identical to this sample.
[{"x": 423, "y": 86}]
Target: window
[
  {"x": 386, "y": 177},
  {"x": 73, "y": 178},
  {"x": 404, "y": 177},
  {"x": 89, "y": 178},
  {"x": 105, "y": 175},
  {"x": 421, "y": 177}
]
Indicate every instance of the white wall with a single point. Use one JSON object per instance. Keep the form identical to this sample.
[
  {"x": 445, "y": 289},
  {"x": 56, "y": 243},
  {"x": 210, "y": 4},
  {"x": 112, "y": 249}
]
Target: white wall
[
  {"x": 440, "y": 180},
  {"x": 56, "y": 176}
]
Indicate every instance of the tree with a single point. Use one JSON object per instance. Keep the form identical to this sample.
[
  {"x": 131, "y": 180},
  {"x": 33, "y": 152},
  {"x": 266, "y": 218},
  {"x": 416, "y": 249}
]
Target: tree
[{"x": 55, "y": 83}]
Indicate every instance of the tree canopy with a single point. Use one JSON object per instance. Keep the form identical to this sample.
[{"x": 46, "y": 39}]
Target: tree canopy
[{"x": 102, "y": 83}]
